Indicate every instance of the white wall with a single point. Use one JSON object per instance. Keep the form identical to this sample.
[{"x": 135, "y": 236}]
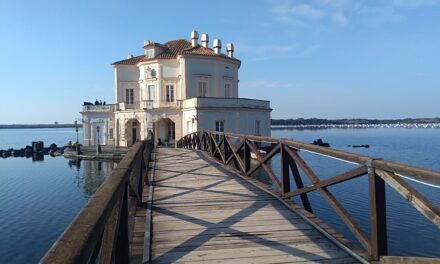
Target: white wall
[
  {"x": 215, "y": 71},
  {"x": 90, "y": 124},
  {"x": 236, "y": 120},
  {"x": 126, "y": 77}
]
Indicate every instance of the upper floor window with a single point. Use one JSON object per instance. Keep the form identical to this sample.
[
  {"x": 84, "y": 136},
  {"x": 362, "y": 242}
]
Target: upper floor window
[
  {"x": 149, "y": 53},
  {"x": 257, "y": 127},
  {"x": 219, "y": 125},
  {"x": 151, "y": 92},
  {"x": 129, "y": 96},
  {"x": 227, "y": 90},
  {"x": 169, "y": 93},
  {"x": 202, "y": 88}
]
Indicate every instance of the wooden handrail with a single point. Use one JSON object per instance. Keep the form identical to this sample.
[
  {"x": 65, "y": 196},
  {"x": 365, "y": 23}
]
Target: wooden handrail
[
  {"x": 415, "y": 172},
  {"x": 221, "y": 145},
  {"x": 101, "y": 230}
]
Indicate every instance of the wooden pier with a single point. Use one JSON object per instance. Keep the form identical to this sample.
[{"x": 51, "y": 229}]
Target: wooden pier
[
  {"x": 203, "y": 213},
  {"x": 198, "y": 204}
]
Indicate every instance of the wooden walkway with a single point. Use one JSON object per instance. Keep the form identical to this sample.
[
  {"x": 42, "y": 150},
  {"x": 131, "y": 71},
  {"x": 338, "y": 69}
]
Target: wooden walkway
[{"x": 202, "y": 213}]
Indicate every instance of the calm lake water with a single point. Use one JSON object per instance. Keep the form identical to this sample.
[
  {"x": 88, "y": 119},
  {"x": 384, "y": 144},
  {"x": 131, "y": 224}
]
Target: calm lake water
[
  {"x": 409, "y": 232},
  {"x": 39, "y": 199}
]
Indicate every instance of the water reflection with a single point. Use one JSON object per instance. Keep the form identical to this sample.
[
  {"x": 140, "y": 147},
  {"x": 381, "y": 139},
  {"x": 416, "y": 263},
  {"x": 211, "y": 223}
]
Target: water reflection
[
  {"x": 92, "y": 175},
  {"x": 37, "y": 157}
]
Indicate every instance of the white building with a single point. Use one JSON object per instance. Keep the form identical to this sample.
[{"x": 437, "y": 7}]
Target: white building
[{"x": 173, "y": 89}]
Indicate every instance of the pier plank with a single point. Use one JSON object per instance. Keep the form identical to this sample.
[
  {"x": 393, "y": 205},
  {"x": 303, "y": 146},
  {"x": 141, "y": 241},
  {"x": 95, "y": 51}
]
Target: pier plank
[{"x": 204, "y": 214}]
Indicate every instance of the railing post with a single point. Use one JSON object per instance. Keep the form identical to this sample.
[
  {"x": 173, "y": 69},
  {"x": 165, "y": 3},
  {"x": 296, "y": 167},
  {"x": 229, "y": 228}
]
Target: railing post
[
  {"x": 247, "y": 157},
  {"x": 379, "y": 245},
  {"x": 225, "y": 147},
  {"x": 199, "y": 140},
  {"x": 212, "y": 144},
  {"x": 122, "y": 252},
  {"x": 285, "y": 169}
]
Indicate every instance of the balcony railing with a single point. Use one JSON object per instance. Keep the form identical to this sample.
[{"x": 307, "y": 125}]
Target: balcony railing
[
  {"x": 152, "y": 104},
  {"x": 99, "y": 108},
  {"x": 125, "y": 106},
  {"x": 225, "y": 103}
]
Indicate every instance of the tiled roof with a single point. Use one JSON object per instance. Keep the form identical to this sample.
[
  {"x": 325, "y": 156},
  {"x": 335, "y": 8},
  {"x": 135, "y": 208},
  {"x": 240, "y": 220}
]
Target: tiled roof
[
  {"x": 172, "y": 49},
  {"x": 153, "y": 44},
  {"x": 131, "y": 61}
]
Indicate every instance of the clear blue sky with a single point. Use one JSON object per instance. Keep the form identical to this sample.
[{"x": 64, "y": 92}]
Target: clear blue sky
[{"x": 323, "y": 58}]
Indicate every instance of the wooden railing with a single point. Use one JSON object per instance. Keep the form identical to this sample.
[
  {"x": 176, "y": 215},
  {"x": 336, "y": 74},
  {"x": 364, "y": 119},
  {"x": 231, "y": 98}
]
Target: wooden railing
[
  {"x": 100, "y": 232},
  {"x": 235, "y": 150}
]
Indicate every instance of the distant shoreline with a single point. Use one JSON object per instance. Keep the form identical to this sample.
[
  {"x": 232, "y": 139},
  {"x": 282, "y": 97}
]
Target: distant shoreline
[
  {"x": 319, "y": 123},
  {"x": 356, "y": 126},
  {"x": 18, "y": 126}
]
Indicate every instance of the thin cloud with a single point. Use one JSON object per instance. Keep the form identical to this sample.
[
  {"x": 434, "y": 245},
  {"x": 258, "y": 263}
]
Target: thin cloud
[
  {"x": 321, "y": 13},
  {"x": 306, "y": 14}
]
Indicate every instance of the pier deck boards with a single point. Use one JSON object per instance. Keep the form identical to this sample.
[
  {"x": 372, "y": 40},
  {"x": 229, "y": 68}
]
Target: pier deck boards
[{"x": 202, "y": 213}]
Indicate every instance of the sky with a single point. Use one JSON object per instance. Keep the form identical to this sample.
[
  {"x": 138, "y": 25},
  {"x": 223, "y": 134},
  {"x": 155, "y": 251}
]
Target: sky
[{"x": 319, "y": 58}]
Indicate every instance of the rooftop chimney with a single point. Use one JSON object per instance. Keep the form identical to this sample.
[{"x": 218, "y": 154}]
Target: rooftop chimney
[
  {"x": 217, "y": 46},
  {"x": 194, "y": 38},
  {"x": 230, "y": 50},
  {"x": 205, "y": 40},
  {"x": 130, "y": 56},
  {"x": 146, "y": 42}
]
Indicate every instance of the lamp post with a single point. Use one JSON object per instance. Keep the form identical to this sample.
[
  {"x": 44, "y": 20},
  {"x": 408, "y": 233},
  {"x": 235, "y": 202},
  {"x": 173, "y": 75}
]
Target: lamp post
[
  {"x": 98, "y": 148},
  {"x": 77, "y": 147},
  {"x": 76, "y": 129}
]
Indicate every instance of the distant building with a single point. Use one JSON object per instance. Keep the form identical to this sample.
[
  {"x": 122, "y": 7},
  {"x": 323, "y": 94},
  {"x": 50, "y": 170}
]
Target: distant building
[{"x": 174, "y": 89}]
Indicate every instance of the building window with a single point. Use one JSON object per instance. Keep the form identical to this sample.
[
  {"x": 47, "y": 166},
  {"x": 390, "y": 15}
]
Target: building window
[
  {"x": 220, "y": 126},
  {"x": 170, "y": 93},
  {"x": 110, "y": 133},
  {"x": 151, "y": 92},
  {"x": 150, "y": 53},
  {"x": 129, "y": 96},
  {"x": 202, "y": 88},
  {"x": 257, "y": 127},
  {"x": 171, "y": 130},
  {"x": 227, "y": 90}
]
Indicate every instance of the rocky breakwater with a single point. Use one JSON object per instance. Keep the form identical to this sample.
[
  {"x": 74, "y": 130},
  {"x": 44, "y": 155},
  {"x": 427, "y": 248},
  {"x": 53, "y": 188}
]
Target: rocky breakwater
[{"x": 36, "y": 151}]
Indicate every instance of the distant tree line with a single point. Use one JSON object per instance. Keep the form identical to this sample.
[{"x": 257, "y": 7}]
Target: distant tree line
[{"x": 356, "y": 121}]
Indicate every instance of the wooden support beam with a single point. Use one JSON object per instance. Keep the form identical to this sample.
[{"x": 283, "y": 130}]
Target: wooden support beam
[
  {"x": 285, "y": 160},
  {"x": 330, "y": 181},
  {"x": 225, "y": 149},
  {"x": 378, "y": 219},
  {"x": 235, "y": 153},
  {"x": 262, "y": 162},
  {"x": 408, "y": 260},
  {"x": 247, "y": 157},
  {"x": 331, "y": 200},
  {"x": 300, "y": 186},
  {"x": 416, "y": 199}
]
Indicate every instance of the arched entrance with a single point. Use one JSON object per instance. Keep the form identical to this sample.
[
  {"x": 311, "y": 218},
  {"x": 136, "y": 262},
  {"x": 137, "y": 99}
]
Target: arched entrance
[
  {"x": 132, "y": 131},
  {"x": 165, "y": 132}
]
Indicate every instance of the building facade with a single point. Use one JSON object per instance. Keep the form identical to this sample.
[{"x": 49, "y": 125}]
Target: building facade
[{"x": 174, "y": 89}]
